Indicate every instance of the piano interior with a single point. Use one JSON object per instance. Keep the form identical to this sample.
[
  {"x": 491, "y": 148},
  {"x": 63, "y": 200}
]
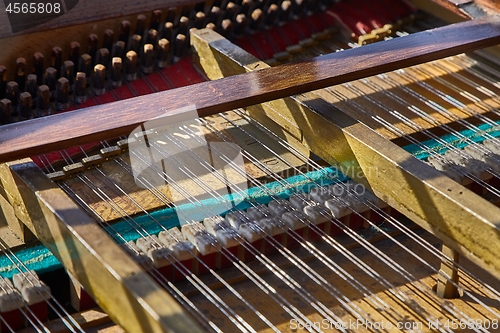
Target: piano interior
[{"x": 251, "y": 165}]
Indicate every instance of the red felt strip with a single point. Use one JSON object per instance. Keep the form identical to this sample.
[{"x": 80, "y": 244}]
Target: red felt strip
[
  {"x": 306, "y": 29},
  {"x": 157, "y": 81},
  {"x": 140, "y": 87},
  {"x": 291, "y": 34},
  {"x": 106, "y": 98},
  {"x": 246, "y": 45},
  {"x": 187, "y": 68},
  {"x": 123, "y": 92},
  {"x": 260, "y": 43},
  {"x": 277, "y": 39},
  {"x": 174, "y": 77}
]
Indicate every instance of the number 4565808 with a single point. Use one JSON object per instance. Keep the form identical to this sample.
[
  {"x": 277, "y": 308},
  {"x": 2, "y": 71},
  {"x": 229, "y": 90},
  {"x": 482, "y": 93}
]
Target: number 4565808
[{"x": 33, "y": 8}]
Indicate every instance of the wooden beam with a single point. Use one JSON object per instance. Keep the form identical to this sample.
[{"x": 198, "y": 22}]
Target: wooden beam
[
  {"x": 448, "y": 277},
  {"x": 118, "y": 284},
  {"x": 464, "y": 221},
  {"x": 51, "y": 133}
]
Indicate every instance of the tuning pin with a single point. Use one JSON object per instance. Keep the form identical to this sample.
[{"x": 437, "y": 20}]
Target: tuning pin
[
  {"x": 56, "y": 61},
  {"x": 12, "y": 92},
  {"x": 163, "y": 53},
  {"x": 38, "y": 66},
  {"x": 246, "y": 7},
  {"x": 215, "y": 15},
  {"x": 183, "y": 26},
  {"x": 167, "y": 31},
  {"x": 155, "y": 20},
  {"x": 32, "y": 86},
  {"x": 199, "y": 20},
  {"x": 147, "y": 59},
  {"x": 93, "y": 42},
  {"x": 118, "y": 49},
  {"x": 231, "y": 11},
  {"x": 51, "y": 80},
  {"x": 199, "y": 7},
  {"x": 272, "y": 14},
  {"x": 98, "y": 83},
  {"x": 227, "y": 28},
  {"x": 179, "y": 46},
  {"x": 74, "y": 53},
  {"x": 5, "y": 111},
  {"x": 3, "y": 81},
  {"x": 108, "y": 39},
  {"x": 20, "y": 77},
  {"x": 171, "y": 14},
  {"x": 62, "y": 94},
  {"x": 151, "y": 37},
  {"x": 43, "y": 101},
  {"x": 115, "y": 77},
  {"x": 140, "y": 25},
  {"x": 256, "y": 18},
  {"x": 186, "y": 10},
  {"x": 298, "y": 8},
  {"x": 103, "y": 57},
  {"x": 68, "y": 71},
  {"x": 131, "y": 66},
  {"x": 285, "y": 10},
  {"x": 86, "y": 66},
  {"x": 80, "y": 94},
  {"x": 135, "y": 43},
  {"x": 124, "y": 31},
  {"x": 241, "y": 24},
  {"x": 25, "y": 102}
]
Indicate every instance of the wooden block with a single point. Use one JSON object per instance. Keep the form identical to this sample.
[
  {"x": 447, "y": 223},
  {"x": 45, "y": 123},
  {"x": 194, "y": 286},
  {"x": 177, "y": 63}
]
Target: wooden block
[
  {"x": 80, "y": 299},
  {"x": 10, "y": 306},
  {"x": 8, "y": 216},
  {"x": 35, "y": 294}
]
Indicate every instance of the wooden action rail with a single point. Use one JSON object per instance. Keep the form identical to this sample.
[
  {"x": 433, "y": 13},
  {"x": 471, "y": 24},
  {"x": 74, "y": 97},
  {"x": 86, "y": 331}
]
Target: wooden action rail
[{"x": 42, "y": 135}]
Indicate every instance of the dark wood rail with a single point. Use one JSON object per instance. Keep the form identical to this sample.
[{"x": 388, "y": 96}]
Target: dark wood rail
[{"x": 60, "y": 131}]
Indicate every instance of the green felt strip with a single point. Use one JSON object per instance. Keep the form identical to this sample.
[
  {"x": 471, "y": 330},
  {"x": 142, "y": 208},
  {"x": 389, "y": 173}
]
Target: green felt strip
[
  {"x": 37, "y": 258},
  {"x": 457, "y": 141},
  {"x": 167, "y": 218}
]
